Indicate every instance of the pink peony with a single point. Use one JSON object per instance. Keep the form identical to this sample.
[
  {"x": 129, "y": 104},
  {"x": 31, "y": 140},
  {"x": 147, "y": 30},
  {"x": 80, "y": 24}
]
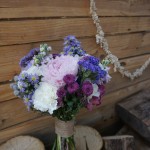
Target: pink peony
[{"x": 55, "y": 70}]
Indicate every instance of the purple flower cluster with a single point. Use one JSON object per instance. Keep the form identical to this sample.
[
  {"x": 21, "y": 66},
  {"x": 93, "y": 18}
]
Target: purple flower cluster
[
  {"x": 26, "y": 59},
  {"x": 91, "y": 64},
  {"x": 72, "y": 46},
  {"x": 25, "y": 87},
  {"x": 71, "y": 87}
]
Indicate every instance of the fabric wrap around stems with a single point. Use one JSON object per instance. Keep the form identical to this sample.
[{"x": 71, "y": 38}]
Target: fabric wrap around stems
[{"x": 64, "y": 129}]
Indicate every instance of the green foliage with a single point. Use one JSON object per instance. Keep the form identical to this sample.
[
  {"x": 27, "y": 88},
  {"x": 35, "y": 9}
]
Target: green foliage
[{"x": 71, "y": 107}]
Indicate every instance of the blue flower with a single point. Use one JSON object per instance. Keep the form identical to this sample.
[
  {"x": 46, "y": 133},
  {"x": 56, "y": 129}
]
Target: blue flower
[
  {"x": 34, "y": 79},
  {"x": 26, "y": 59},
  {"x": 72, "y": 46},
  {"x": 92, "y": 69}
]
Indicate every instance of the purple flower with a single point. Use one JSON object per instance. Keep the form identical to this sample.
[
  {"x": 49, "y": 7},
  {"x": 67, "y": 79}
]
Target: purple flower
[
  {"x": 95, "y": 100},
  {"x": 94, "y": 60},
  {"x": 69, "y": 78},
  {"x": 72, "y": 88},
  {"x": 61, "y": 92},
  {"x": 72, "y": 46},
  {"x": 59, "y": 102},
  {"x": 26, "y": 59},
  {"x": 102, "y": 89},
  {"x": 87, "y": 88},
  {"x": 34, "y": 79}
]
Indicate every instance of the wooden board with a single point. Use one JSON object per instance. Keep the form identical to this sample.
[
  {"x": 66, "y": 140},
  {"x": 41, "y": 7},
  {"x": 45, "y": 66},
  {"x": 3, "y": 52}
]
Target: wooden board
[
  {"x": 13, "y": 112},
  {"x": 57, "y": 8},
  {"x": 26, "y": 31},
  {"x": 6, "y": 92},
  {"x": 124, "y": 142},
  {"x": 135, "y": 111},
  {"x": 140, "y": 143}
]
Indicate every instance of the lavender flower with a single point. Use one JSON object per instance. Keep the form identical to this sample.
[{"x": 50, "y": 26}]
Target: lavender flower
[
  {"x": 87, "y": 88},
  {"x": 72, "y": 88},
  {"x": 72, "y": 46},
  {"x": 69, "y": 78},
  {"x": 34, "y": 79},
  {"x": 26, "y": 59}
]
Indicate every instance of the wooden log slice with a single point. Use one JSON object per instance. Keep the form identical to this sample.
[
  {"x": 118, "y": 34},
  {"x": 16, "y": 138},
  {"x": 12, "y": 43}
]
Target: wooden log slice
[
  {"x": 23, "y": 143},
  {"x": 87, "y": 138}
]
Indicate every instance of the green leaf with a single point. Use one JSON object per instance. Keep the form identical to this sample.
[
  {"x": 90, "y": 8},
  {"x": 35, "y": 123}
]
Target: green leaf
[{"x": 70, "y": 103}]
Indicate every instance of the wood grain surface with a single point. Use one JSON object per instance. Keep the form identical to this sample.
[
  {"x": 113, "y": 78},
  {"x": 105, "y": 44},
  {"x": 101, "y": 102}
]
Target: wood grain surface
[
  {"x": 26, "y": 31},
  {"x": 58, "y": 8}
]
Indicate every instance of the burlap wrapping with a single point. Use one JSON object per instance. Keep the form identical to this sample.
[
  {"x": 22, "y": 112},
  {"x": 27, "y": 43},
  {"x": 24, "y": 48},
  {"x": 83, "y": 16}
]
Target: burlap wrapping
[{"x": 64, "y": 129}]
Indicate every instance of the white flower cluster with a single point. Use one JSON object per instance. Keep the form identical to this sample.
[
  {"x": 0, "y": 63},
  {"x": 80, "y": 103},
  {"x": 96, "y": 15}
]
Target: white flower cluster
[
  {"x": 45, "y": 98},
  {"x": 33, "y": 70}
]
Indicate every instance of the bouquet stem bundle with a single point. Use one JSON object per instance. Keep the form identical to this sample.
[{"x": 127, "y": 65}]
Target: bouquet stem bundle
[{"x": 64, "y": 131}]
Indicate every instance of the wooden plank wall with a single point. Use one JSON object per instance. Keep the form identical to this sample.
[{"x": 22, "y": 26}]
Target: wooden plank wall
[{"x": 25, "y": 24}]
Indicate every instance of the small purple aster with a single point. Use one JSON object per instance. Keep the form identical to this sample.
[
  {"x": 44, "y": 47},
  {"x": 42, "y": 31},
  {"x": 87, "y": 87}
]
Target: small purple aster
[
  {"x": 87, "y": 88},
  {"x": 72, "y": 88},
  {"x": 61, "y": 92},
  {"x": 69, "y": 79}
]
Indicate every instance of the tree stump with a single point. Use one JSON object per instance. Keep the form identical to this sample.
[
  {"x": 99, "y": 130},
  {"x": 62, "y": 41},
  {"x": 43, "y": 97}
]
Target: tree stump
[
  {"x": 125, "y": 142},
  {"x": 23, "y": 143},
  {"x": 87, "y": 138}
]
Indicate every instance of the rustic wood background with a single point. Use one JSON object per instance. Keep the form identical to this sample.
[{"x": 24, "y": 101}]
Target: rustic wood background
[{"x": 25, "y": 24}]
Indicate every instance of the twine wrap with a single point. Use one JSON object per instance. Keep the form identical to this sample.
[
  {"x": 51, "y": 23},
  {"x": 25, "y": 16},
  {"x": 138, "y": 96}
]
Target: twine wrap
[{"x": 64, "y": 129}]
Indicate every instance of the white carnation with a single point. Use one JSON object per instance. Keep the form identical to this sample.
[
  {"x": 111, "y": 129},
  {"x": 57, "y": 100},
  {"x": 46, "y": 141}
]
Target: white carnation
[
  {"x": 33, "y": 70},
  {"x": 45, "y": 98}
]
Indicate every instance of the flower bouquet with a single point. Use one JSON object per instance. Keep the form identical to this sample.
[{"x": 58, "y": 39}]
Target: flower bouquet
[{"x": 61, "y": 84}]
